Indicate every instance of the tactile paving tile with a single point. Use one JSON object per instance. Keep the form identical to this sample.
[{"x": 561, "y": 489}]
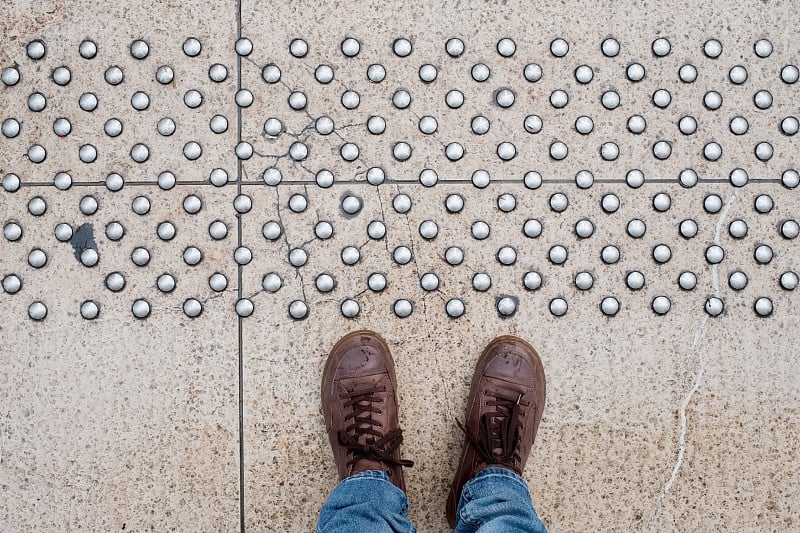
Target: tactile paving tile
[{"x": 421, "y": 170}]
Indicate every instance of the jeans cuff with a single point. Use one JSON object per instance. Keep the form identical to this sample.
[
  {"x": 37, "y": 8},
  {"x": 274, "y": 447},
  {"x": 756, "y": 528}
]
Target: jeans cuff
[{"x": 498, "y": 471}]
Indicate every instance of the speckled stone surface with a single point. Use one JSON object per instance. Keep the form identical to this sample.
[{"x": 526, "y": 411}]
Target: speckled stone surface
[{"x": 652, "y": 423}]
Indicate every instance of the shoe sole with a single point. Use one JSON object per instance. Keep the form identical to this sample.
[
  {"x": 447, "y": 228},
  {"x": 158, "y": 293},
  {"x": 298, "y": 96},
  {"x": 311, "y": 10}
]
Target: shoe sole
[{"x": 480, "y": 366}]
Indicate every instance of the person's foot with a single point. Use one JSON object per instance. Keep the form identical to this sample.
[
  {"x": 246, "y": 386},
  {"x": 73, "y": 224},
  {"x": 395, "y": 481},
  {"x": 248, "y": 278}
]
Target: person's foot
[
  {"x": 504, "y": 408},
  {"x": 360, "y": 407}
]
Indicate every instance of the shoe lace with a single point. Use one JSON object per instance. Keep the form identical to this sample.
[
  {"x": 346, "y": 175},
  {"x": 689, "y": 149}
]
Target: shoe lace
[
  {"x": 499, "y": 430},
  {"x": 363, "y": 437}
]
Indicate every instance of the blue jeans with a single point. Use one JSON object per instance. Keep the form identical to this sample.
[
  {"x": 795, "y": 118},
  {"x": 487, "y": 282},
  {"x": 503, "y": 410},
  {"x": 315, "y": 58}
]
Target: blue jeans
[{"x": 496, "y": 500}]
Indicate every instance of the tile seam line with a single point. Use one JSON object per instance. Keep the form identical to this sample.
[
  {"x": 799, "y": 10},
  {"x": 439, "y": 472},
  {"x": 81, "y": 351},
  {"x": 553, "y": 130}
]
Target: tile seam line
[{"x": 239, "y": 273}]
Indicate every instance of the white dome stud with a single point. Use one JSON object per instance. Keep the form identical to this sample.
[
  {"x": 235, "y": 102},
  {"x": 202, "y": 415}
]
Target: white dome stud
[
  {"x": 63, "y": 232},
  {"x": 739, "y": 125},
  {"x": 661, "y": 305},
  {"x": 609, "y": 151},
  {"x": 376, "y": 73},
  {"x": 350, "y": 255},
  {"x": 219, "y": 124},
  {"x": 377, "y": 281},
  {"x": 87, "y": 49},
  {"x": 350, "y": 308},
  {"x": 661, "y": 47},
  {"x": 584, "y": 74},
  {"x": 243, "y": 46},
  {"x": 712, "y": 48},
  {"x": 243, "y": 255},
  {"x": 272, "y": 176},
  {"x": 763, "y": 203},
  {"x": 559, "y": 202},
  {"x": 559, "y": 47},
  {"x": 428, "y": 229},
  {"x": 636, "y": 228},
  {"x": 298, "y": 310},
  {"x": 325, "y": 178},
  {"x": 37, "y": 311},
  {"x": 12, "y": 231},
  {"x": 480, "y": 179},
  {"x": 687, "y": 125},
  {"x": 428, "y": 177},
  {"x": 218, "y": 178},
  {"x": 324, "y": 74},
  {"x": 271, "y": 73},
  {"x": 637, "y": 124},
  {"x": 298, "y": 48},
  {"x": 763, "y": 254},
  {"x": 738, "y": 228},
  {"x": 480, "y": 230},
  {"x": 140, "y": 256},
  {"x": 89, "y": 257},
  {"x": 429, "y": 281},
  {"x": 764, "y": 151},
  {"x": 714, "y": 306},
  {"x": 165, "y": 74},
  {"x": 737, "y": 280},
  {"x": 532, "y": 228},
  {"x": 37, "y": 206},
  {"x": 12, "y": 284},
  {"x": 11, "y": 127},
  {"x": 402, "y": 203},
  {"x": 505, "y": 97},
  {"x": 376, "y": 230},
  {"x": 584, "y": 281},
  {"x": 402, "y": 47},
  {"x": 113, "y": 127},
  {"x": 298, "y": 257},
  {"x": 454, "y": 255},
  {"x": 558, "y": 254},
  {"x": 115, "y": 231},
  {"x": 789, "y": 281},
  {"x": 115, "y": 281},
  {"x": 12, "y": 183},
  {"x": 166, "y": 126},
  {"x": 114, "y": 75},
  {"x": 635, "y": 280},
  {"x": 532, "y": 280},
  {"x": 687, "y": 280},
  {"x": 610, "y": 203},
  {"x": 218, "y": 282},
  {"x": 139, "y": 152},
  {"x": 10, "y": 76},
  {"x": 610, "y": 47},
  {"x": 192, "y": 150},
  {"x": 402, "y": 308},
  {"x": 323, "y": 230},
  {"x": 763, "y": 306},
  {"x": 427, "y": 73},
  {"x": 455, "y": 308},
  {"x": 712, "y": 203},
  {"x": 298, "y": 203},
  {"x": 36, "y": 49},
  {"x": 635, "y": 72},
  {"x": 584, "y": 179},
  {"x": 37, "y": 258},
  {"x": 192, "y": 47},
  {"x": 140, "y": 308},
  {"x": 584, "y": 228},
  {"x": 324, "y": 283},
  {"x": 662, "y": 202},
  {"x": 559, "y": 98},
  {"x": 454, "y": 203},
  {"x": 609, "y": 306},
  {"x": 272, "y": 230},
  {"x": 507, "y": 151},
  {"x": 481, "y": 282},
  {"x": 789, "y": 229},
  {"x": 218, "y": 73},
  {"x": 506, "y": 202},
  {"x": 454, "y": 47},
  {"x": 192, "y": 307},
  {"x": 272, "y": 282},
  {"x": 763, "y": 99},
  {"x": 244, "y": 307},
  {"x": 712, "y": 151},
  {"x": 192, "y": 255},
  {"x": 480, "y": 72},
  {"x": 610, "y": 100},
  {"x": 688, "y": 73},
  {"x": 506, "y": 255},
  {"x": 90, "y": 310},
  {"x": 532, "y": 72},
  {"x": 402, "y": 255},
  {"x": 790, "y": 74},
  {"x": 558, "y": 307},
  {"x": 480, "y": 125},
  {"x": 506, "y": 47},
  {"x": 506, "y": 306},
  {"x": 790, "y": 126},
  {"x": 662, "y": 253},
  {"x": 584, "y": 125},
  {"x": 610, "y": 254},
  {"x": 166, "y": 231},
  {"x": 715, "y": 254},
  {"x": 712, "y": 100},
  {"x": 140, "y": 205},
  {"x": 737, "y": 75},
  {"x": 454, "y": 99},
  {"x": 739, "y": 177}
]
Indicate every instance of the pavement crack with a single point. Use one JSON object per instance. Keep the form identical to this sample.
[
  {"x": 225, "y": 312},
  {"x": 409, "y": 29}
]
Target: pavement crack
[{"x": 700, "y": 371}]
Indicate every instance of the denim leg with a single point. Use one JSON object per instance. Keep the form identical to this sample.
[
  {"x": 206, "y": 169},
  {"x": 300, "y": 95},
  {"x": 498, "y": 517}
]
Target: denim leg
[
  {"x": 497, "y": 500},
  {"x": 366, "y": 501}
]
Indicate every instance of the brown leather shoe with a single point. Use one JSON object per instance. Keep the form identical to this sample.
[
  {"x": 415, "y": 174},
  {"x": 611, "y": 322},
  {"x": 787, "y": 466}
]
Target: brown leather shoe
[
  {"x": 504, "y": 408},
  {"x": 360, "y": 407}
]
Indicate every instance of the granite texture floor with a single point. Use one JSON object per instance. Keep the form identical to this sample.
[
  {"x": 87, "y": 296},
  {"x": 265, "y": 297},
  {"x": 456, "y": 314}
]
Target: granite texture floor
[{"x": 164, "y": 374}]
